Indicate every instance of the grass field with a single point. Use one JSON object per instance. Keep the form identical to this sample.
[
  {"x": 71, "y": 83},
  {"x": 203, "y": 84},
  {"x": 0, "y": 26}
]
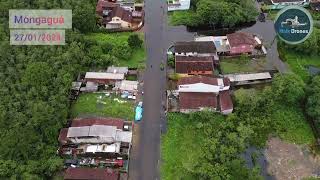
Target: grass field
[
  {"x": 137, "y": 60},
  {"x": 180, "y": 147},
  {"x": 239, "y": 65},
  {"x": 298, "y": 63},
  {"x": 90, "y": 105}
]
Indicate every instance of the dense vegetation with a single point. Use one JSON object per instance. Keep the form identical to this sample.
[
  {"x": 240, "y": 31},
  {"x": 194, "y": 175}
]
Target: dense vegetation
[
  {"x": 34, "y": 86},
  {"x": 216, "y": 13},
  {"x": 313, "y": 101},
  {"x": 208, "y": 146}
]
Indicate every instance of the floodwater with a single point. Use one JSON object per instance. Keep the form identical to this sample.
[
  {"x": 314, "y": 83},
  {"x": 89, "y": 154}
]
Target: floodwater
[{"x": 264, "y": 30}]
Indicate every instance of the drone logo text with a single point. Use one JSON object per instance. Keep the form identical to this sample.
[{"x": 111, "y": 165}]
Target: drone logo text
[{"x": 293, "y": 24}]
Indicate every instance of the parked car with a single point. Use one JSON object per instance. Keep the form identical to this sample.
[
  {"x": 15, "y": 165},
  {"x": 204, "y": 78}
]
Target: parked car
[{"x": 139, "y": 111}]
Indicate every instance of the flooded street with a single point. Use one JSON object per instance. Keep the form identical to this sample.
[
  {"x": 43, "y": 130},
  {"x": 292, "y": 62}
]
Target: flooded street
[{"x": 145, "y": 154}]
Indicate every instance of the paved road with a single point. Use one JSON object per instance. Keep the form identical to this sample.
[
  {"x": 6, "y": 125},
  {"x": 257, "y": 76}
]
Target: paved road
[
  {"x": 145, "y": 154},
  {"x": 144, "y": 164}
]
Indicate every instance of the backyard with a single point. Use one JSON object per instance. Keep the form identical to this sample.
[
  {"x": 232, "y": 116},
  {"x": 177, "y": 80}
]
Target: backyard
[
  {"x": 242, "y": 64},
  {"x": 138, "y": 55},
  {"x": 98, "y": 104}
]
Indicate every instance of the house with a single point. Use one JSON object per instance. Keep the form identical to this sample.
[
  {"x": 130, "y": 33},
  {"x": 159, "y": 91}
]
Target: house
[
  {"x": 103, "y": 77},
  {"x": 289, "y": 2},
  {"x": 119, "y": 123},
  {"x": 242, "y": 43},
  {"x": 194, "y": 65},
  {"x": 118, "y": 18},
  {"x": 91, "y": 129},
  {"x": 195, "y": 48},
  {"x": 120, "y": 15},
  {"x": 220, "y": 42},
  {"x": 121, "y": 70},
  {"x": 235, "y": 44},
  {"x": 174, "y": 5},
  {"x": 104, "y": 7},
  {"x": 91, "y": 174},
  {"x": 97, "y": 134},
  {"x": 128, "y": 86},
  {"x": 198, "y": 93}
]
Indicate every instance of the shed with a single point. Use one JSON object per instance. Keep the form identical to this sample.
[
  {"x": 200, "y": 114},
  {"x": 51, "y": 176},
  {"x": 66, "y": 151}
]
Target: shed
[
  {"x": 103, "y": 77},
  {"x": 120, "y": 70},
  {"x": 125, "y": 85}
]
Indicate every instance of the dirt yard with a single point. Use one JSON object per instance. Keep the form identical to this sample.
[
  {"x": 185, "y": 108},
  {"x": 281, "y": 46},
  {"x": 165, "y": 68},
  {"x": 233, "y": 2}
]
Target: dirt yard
[{"x": 290, "y": 161}]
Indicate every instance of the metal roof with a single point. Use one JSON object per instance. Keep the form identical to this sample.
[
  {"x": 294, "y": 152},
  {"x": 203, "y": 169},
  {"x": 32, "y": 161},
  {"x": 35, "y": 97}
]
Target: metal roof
[
  {"x": 248, "y": 77},
  {"x": 121, "y": 70},
  {"x": 104, "y": 75}
]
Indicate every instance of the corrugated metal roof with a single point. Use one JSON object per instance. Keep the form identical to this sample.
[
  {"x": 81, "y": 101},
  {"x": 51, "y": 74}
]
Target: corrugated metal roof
[
  {"x": 103, "y": 75},
  {"x": 248, "y": 77},
  {"x": 126, "y": 85},
  {"x": 121, "y": 70}
]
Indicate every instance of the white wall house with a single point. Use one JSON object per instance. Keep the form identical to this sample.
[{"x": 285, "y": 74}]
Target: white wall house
[{"x": 175, "y": 5}]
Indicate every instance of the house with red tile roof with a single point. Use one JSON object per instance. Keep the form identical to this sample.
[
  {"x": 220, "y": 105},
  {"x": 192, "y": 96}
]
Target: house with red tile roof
[
  {"x": 241, "y": 43},
  {"x": 91, "y": 174},
  {"x": 194, "y": 65},
  {"x": 198, "y": 93},
  {"x": 119, "y": 15}
]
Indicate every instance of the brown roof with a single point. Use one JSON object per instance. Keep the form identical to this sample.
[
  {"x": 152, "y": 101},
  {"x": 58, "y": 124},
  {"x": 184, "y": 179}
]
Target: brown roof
[
  {"x": 104, "y": 5},
  {"x": 241, "y": 38},
  {"x": 225, "y": 101},
  {"x": 122, "y": 13},
  {"x": 118, "y": 11},
  {"x": 63, "y": 136},
  {"x": 226, "y": 81},
  {"x": 198, "y": 79},
  {"x": 90, "y": 174},
  {"x": 195, "y": 46},
  {"x": 189, "y": 100},
  {"x": 98, "y": 121},
  {"x": 186, "y": 64}
]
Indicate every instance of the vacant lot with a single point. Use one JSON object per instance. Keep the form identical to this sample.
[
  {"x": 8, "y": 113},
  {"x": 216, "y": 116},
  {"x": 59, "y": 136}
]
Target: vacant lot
[
  {"x": 290, "y": 161},
  {"x": 97, "y": 104},
  {"x": 242, "y": 65},
  {"x": 137, "y": 59}
]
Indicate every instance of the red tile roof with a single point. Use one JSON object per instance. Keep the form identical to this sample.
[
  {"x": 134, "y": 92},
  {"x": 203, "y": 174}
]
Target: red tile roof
[
  {"x": 196, "y": 100},
  {"x": 241, "y": 38},
  {"x": 226, "y": 81},
  {"x": 188, "y": 64},
  {"x": 104, "y": 5},
  {"x": 225, "y": 101},
  {"x": 98, "y": 121},
  {"x": 198, "y": 79},
  {"x": 91, "y": 174},
  {"x": 195, "y": 46}
]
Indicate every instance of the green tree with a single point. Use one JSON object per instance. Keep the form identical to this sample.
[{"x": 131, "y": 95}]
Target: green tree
[{"x": 134, "y": 41}]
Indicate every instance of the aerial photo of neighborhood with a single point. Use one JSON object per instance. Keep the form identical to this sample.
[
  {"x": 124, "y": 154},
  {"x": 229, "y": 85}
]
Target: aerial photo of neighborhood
[{"x": 159, "y": 89}]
